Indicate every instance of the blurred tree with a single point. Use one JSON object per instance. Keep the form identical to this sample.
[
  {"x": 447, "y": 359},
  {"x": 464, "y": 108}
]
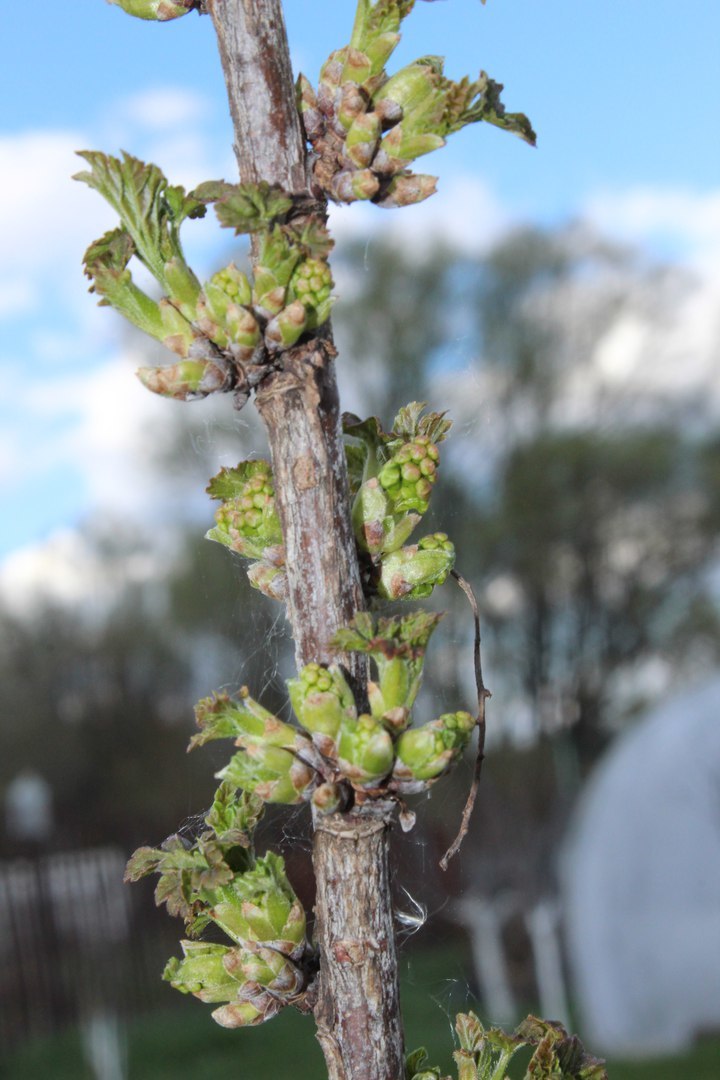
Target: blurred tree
[
  {"x": 599, "y": 544},
  {"x": 94, "y": 696}
]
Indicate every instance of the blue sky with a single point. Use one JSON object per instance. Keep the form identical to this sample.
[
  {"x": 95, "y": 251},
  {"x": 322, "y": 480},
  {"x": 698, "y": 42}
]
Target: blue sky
[{"x": 623, "y": 96}]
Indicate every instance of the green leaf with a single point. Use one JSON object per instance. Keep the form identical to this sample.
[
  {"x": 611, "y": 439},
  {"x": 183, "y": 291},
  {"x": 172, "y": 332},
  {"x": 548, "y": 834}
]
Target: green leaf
[
  {"x": 246, "y": 208},
  {"x": 188, "y": 873},
  {"x": 150, "y": 211},
  {"x": 480, "y": 100},
  {"x": 106, "y": 263},
  {"x": 409, "y": 423},
  {"x": 233, "y": 816},
  {"x": 246, "y": 721}
]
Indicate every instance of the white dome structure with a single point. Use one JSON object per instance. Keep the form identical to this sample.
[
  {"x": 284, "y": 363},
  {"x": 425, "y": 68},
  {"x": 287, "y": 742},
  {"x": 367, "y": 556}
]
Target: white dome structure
[{"x": 641, "y": 883}]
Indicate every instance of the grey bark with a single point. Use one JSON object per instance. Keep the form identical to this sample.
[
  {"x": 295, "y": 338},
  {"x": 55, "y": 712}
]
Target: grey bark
[{"x": 357, "y": 1011}]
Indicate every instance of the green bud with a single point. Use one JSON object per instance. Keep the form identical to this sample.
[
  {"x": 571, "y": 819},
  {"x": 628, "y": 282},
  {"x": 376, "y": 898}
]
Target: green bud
[
  {"x": 401, "y": 146},
  {"x": 244, "y": 332},
  {"x": 179, "y": 335},
  {"x": 357, "y": 68},
  {"x": 405, "y": 189},
  {"x": 426, "y": 752},
  {"x": 322, "y": 701},
  {"x": 268, "y": 579},
  {"x": 362, "y": 139},
  {"x": 351, "y": 103},
  {"x": 273, "y": 774},
  {"x": 407, "y": 478},
  {"x": 234, "y": 284},
  {"x": 250, "y": 1013},
  {"x": 332, "y": 70},
  {"x": 277, "y": 260},
  {"x": 247, "y": 521},
  {"x": 203, "y": 972},
  {"x": 349, "y": 186},
  {"x": 365, "y": 751},
  {"x": 261, "y": 907},
  {"x": 412, "y": 572},
  {"x": 287, "y": 327},
  {"x": 414, "y": 85},
  {"x": 182, "y": 285},
  {"x": 159, "y": 10},
  {"x": 397, "y": 646},
  {"x": 394, "y": 685},
  {"x": 266, "y": 967},
  {"x": 376, "y": 26},
  {"x": 188, "y": 380},
  {"x": 312, "y": 119},
  {"x": 312, "y": 284},
  {"x": 369, "y": 512}
]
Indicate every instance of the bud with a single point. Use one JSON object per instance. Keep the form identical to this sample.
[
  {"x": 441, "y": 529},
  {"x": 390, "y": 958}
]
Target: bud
[
  {"x": 276, "y": 261},
  {"x": 260, "y": 1006},
  {"x": 312, "y": 118},
  {"x": 265, "y": 967},
  {"x": 182, "y": 285},
  {"x": 328, "y": 799},
  {"x": 400, "y": 147},
  {"x": 233, "y": 284},
  {"x": 322, "y": 701},
  {"x": 409, "y": 475},
  {"x": 376, "y": 528},
  {"x": 414, "y": 85},
  {"x": 273, "y": 774},
  {"x": 397, "y": 646},
  {"x": 412, "y": 572},
  {"x": 268, "y": 579},
  {"x": 228, "y": 288},
  {"x": 357, "y": 66},
  {"x": 426, "y": 752},
  {"x": 365, "y": 751},
  {"x": 246, "y": 721},
  {"x": 203, "y": 972},
  {"x": 188, "y": 380},
  {"x": 350, "y": 186},
  {"x": 247, "y": 521},
  {"x": 159, "y": 10},
  {"x": 261, "y": 907},
  {"x": 405, "y": 189},
  {"x": 312, "y": 284},
  {"x": 350, "y": 103},
  {"x": 362, "y": 139},
  {"x": 288, "y": 326}
]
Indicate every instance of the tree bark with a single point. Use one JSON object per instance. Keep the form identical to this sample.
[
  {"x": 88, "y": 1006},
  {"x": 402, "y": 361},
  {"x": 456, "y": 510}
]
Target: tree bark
[{"x": 357, "y": 1012}]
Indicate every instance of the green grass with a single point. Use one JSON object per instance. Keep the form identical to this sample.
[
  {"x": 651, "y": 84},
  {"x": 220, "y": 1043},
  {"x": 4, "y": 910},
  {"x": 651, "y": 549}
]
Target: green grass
[{"x": 184, "y": 1044}]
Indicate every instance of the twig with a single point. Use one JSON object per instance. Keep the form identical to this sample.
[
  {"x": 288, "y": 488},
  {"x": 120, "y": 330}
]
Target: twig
[{"x": 482, "y": 695}]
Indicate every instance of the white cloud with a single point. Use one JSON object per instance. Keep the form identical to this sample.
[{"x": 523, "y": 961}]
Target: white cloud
[
  {"x": 687, "y": 221},
  {"x": 46, "y": 218},
  {"x": 163, "y": 107},
  {"x": 69, "y": 571}
]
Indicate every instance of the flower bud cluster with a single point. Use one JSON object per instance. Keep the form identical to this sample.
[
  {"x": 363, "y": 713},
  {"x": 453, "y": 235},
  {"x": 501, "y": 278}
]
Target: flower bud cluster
[
  {"x": 228, "y": 330},
  {"x": 217, "y": 879},
  {"x": 261, "y": 972},
  {"x": 247, "y": 522},
  {"x": 367, "y": 129},
  {"x": 392, "y": 476}
]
